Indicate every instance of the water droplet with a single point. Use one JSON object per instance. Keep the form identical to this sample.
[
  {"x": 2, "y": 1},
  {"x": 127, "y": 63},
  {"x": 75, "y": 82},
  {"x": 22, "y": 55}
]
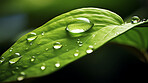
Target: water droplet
[
  {"x": 21, "y": 76},
  {"x": 79, "y": 26},
  {"x": 89, "y": 49},
  {"x": 32, "y": 59},
  {"x": 57, "y": 45},
  {"x": 47, "y": 49},
  {"x": 42, "y": 33},
  {"x": 26, "y": 48},
  {"x": 67, "y": 50},
  {"x": 11, "y": 49},
  {"x": 2, "y": 59},
  {"x": 80, "y": 43},
  {"x": 57, "y": 64},
  {"x": 135, "y": 19},
  {"x": 32, "y": 36},
  {"x": 76, "y": 53},
  {"x": 18, "y": 54},
  {"x": 43, "y": 67},
  {"x": 16, "y": 67},
  {"x": 23, "y": 73},
  {"x": 143, "y": 19},
  {"x": 14, "y": 58}
]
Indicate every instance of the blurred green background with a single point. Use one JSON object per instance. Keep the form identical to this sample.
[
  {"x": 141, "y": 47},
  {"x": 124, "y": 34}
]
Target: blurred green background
[{"x": 109, "y": 64}]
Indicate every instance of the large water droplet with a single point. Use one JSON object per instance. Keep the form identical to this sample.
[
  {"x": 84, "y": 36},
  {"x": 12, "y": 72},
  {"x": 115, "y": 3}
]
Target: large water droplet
[
  {"x": 76, "y": 53},
  {"x": 14, "y": 58},
  {"x": 2, "y": 59},
  {"x": 57, "y": 45},
  {"x": 79, "y": 26},
  {"x": 32, "y": 59},
  {"x": 57, "y": 64},
  {"x": 135, "y": 19},
  {"x": 89, "y": 49},
  {"x": 32, "y": 36}
]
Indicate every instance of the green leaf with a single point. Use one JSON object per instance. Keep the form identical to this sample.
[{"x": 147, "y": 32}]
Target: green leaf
[
  {"x": 51, "y": 47},
  {"x": 137, "y": 38}
]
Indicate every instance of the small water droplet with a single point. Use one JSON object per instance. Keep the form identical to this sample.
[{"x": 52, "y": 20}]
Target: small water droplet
[
  {"x": 43, "y": 67},
  {"x": 79, "y": 26},
  {"x": 80, "y": 43},
  {"x": 26, "y": 48},
  {"x": 143, "y": 19},
  {"x": 11, "y": 49},
  {"x": 42, "y": 33},
  {"x": 14, "y": 58},
  {"x": 135, "y": 19},
  {"x": 67, "y": 50},
  {"x": 32, "y": 36},
  {"x": 47, "y": 49},
  {"x": 18, "y": 54},
  {"x": 21, "y": 76},
  {"x": 2, "y": 59},
  {"x": 23, "y": 73},
  {"x": 57, "y": 45},
  {"x": 13, "y": 72},
  {"x": 89, "y": 49},
  {"x": 57, "y": 64},
  {"x": 16, "y": 67},
  {"x": 32, "y": 59},
  {"x": 76, "y": 53}
]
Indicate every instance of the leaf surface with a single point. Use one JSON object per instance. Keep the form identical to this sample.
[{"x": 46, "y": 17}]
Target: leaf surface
[
  {"x": 137, "y": 38},
  {"x": 39, "y": 58}
]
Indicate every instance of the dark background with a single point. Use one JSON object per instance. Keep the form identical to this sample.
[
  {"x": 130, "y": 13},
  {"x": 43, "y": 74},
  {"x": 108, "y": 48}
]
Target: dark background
[{"x": 109, "y": 64}]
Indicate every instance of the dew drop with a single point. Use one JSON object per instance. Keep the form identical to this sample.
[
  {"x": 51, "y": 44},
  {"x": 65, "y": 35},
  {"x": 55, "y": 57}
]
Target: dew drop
[
  {"x": 21, "y": 76},
  {"x": 80, "y": 43},
  {"x": 18, "y": 54},
  {"x": 89, "y": 49},
  {"x": 78, "y": 26},
  {"x": 11, "y": 49},
  {"x": 32, "y": 36},
  {"x": 16, "y": 67},
  {"x": 23, "y": 73},
  {"x": 57, "y": 45},
  {"x": 14, "y": 58},
  {"x": 42, "y": 33},
  {"x": 43, "y": 67},
  {"x": 76, "y": 53},
  {"x": 2, "y": 59},
  {"x": 57, "y": 64},
  {"x": 135, "y": 19},
  {"x": 47, "y": 49},
  {"x": 26, "y": 48},
  {"x": 32, "y": 59}
]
